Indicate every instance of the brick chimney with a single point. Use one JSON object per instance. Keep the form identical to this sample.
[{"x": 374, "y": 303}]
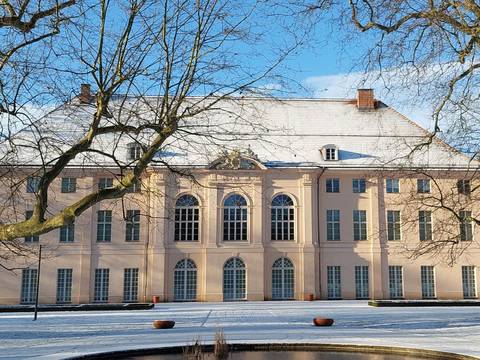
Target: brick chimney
[
  {"x": 85, "y": 95},
  {"x": 365, "y": 99}
]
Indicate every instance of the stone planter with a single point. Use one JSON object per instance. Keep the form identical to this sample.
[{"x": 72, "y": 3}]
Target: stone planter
[
  {"x": 163, "y": 324},
  {"x": 155, "y": 299},
  {"x": 322, "y": 321},
  {"x": 310, "y": 297}
]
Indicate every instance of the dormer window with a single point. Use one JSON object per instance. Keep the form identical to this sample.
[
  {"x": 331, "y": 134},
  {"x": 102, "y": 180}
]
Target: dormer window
[
  {"x": 330, "y": 153},
  {"x": 134, "y": 151}
]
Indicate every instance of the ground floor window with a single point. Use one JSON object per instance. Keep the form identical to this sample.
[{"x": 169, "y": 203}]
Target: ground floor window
[
  {"x": 395, "y": 274},
  {"x": 361, "y": 282},
  {"x": 29, "y": 286},
  {"x": 428, "y": 282},
  {"x": 101, "y": 285},
  {"x": 185, "y": 281},
  {"x": 234, "y": 281},
  {"x": 64, "y": 286},
  {"x": 334, "y": 287},
  {"x": 469, "y": 282},
  {"x": 282, "y": 279},
  {"x": 130, "y": 285}
]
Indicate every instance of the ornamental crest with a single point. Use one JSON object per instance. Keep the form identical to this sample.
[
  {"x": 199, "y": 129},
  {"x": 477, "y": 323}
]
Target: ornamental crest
[{"x": 237, "y": 160}]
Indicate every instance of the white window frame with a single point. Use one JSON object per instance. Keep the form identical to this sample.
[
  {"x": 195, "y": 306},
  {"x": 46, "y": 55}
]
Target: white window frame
[
  {"x": 394, "y": 225},
  {"x": 332, "y": 185},
  {"x": 425, "y": 227},
  {"x": 29, "y": 286},
  {"x": 69, "y": 185},
  {"x": 104, "y": 226},
  {"x": 392, "y": 186},
  {"x": 187, "y": 219},
  {"x": 360, "y": 225},
  {"x": 283, "y": 279},
  {"x": 132, "y": 226},
  {"x": 423, "y": 186},
  {"x": 333, "y": 225},
  {"x": 67, "y": 233},
  {"x": 282, "y": 218},
  {"x": 334, "y": 282},
  {"x": 427, "y": 276},
  {"x": 359, "y": 186},
  {"x": 185, "y": 281},
  {"x": 235, "y": 218},
  {"x": 466, "y": 226},
  {"x": 105, "y": 183},
  {"x": 64, "y": 285},
  {"x": 234, "y": 280},
  {"x": 134, "y": 151},
  {"x": 469, "y": 282},
  {"x": 395, "y": 281},
  {"x": 130, "y": 285},
  {"x": 101, "y": 285},
  {"x": 362, "y": 287}
]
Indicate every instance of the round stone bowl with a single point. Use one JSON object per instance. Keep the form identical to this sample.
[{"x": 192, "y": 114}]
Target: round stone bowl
[
  {"x": 318, "y": 321},
  {"x": 163, "y": 324}
]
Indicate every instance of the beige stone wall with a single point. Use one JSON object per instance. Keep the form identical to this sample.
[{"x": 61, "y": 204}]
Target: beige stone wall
[{"x": 156, "y": 254}]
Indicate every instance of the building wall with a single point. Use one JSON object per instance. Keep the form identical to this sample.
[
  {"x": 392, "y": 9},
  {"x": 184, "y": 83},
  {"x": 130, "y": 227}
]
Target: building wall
[{"x": 156, "y": 253}]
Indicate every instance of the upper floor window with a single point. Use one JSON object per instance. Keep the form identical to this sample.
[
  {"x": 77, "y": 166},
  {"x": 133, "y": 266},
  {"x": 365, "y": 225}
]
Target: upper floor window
[
  {"x": 333, "y": 225},
  {"x": 31, "y": 238},
  {"x": 359, "y": 225},
  {"x": 359, "y": 185},
  {"x": 186, "y": 218},
  {"x": 104, "y": 226},
  {"x": 132, "y": 225},
  {"x": 135, "y": 187},
  {"x": 425, "y": 225},
  {"x": 463, "y": 187},
  {"x": 69, "y": 185},
  {"x": 134, "y": 151},
  {"x": 33, "y": 184},
  {"x": 393, "y": 225},
  {"x": 283, "y": 218},
  {"x": 235, "y": 218},
  {"x": 392, "y": 186},
  {"x": 105, "y": 183},
  {"x": 330, "y": 152},
  {"x": 423, "y": 186},
  {"x": 67, "y": 233},
  {"x": 466, "y": 226},
  {"x": 332, "y": 185}
]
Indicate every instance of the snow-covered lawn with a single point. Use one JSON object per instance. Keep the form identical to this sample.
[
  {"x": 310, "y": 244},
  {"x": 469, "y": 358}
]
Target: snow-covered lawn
[{"x": 59, "y": 335}]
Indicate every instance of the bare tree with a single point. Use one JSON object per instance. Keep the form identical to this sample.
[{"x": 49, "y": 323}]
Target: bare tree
[{"x": 162, "y": 72}]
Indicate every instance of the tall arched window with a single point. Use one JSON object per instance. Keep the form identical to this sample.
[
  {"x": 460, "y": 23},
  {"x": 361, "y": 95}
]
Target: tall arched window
[
  {"x": 283, "y": 282},
  {"x": 234, "y": 280},
  {"x": 186, "y": 218},
  {"x": 185, "y": 281},
  {"x": 235, "y": 218},
  {"x": 283, "y": 218}
]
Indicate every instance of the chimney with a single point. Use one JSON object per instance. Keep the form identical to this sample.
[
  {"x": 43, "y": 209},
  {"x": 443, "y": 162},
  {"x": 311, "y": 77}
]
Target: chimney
[
  {"x": 85, "y": 94},
  {"x": 365, "y": 99}
]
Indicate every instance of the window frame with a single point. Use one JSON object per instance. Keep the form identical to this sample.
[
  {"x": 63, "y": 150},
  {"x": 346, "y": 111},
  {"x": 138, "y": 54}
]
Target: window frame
[
  {"x": 134, "y": 151},
  {"x": 359, "y": 186},
  {"x": 464, "y": 187},
  {"x": 332, "y": 185},
  {"x": 239, "y": 223},
  {"x": 28, "y": 287},
  {"x": 396, "y": 288},
  {"x": 239, "y": 285},
  {"x": 101, "y": 286},
  {"x": 425, "y": 227},
  {"x": 392, "y": 184},
  {"x": 423, "y": 186},
  {"x": 64, "y": 286},
  {"x": 105, "y": 183},
  {"x": 360, "y": 225},
  {"x": 105, "y": 225},
  {"x": 130, "y": 285},
  {"x": 466, "y": 227},
  {"x": 334, "y": 282},
  {"x": 469, "y": 282},
  {"x": 333, "y": 225},
  {"x": 362, "y": 282},
  {"x": 427, "y": 279},
  {"x": 69, "y": 185},
  {"x": 185, "y": 280},
  {"x": 281, "y": 228},
  {"x": 187, "y": 219},
  {"x": 67, "y": 233},
  {"x": 132, "y": 225},
  {"x": 283, "y": 279},
  {"x": 32, "y": 184},
  {"x": 394, "y": 227}
]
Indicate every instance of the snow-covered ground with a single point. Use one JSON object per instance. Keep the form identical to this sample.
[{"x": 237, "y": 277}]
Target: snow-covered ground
[{"x": 59, "y": 335}]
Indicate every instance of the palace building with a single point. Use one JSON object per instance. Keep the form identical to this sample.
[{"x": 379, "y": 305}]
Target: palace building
[{"x": 331, "y": 204}]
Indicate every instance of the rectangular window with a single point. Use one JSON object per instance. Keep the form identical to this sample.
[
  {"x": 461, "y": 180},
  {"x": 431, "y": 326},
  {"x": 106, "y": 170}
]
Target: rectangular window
[
  {"x": 67, "y": 233},
  {"x": 361, "y": 282},
  {"x": 469, "y": 282},
  {"x": 101, "y": 285},
  {"x": 330, "y": 154},
  {"x": 69, "y": 185},
  {"x": 31, "y": 238},
  {"x": 463, "y": 187},
  {"x": 29, "y": 286},
  {"x": 332, "y": 185},
  {"x": 333, "y": 225},
  {"x": 393, "y": 225},
  {"x": 466, "y": 226},
  {"x": 105, "y": 183},
  {"x": 425, "y": 225},
  {"x": 359, "y": 185},
  {"x": 423, "y": 186},
  {"x": 395, "y": 274},
  {"x": 33, "y": 184},
  {"x": 392, "y": 186},
  {"x": 64, "y": 286},
  {"x": 428, "y": 282},
  {"x": 136, "y": 186},
  {"x": 334, "y": 285},
  {"x": 132, "y": 225},
  {"x": 130, "y": 285},
  {"x": 104, "y": 226},
  {"x": 359, "y": 225}
]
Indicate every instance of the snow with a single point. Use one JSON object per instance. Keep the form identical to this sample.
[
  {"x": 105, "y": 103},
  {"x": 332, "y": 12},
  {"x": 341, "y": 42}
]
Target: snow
[{"x": 58, "y": 335}]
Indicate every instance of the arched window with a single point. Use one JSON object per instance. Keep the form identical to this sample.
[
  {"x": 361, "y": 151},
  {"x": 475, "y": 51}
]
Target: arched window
[
  {"x": 283, "y": 218},
  {"x": 234, "y": 280},
  {"x": 234, "y": 218},
  {"x": 282, "y": 279},
  {"x": 186, "y": 218},
  {"x": 185, "y": 281}
]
